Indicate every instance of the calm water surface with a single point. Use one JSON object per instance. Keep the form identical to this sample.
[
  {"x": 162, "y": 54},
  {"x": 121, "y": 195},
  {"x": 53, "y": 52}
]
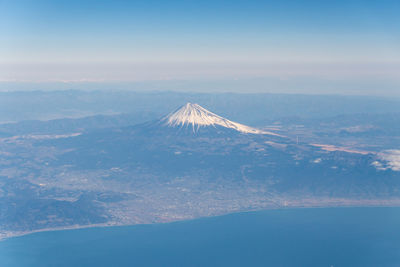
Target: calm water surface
[{"x": 291, "y": 237}]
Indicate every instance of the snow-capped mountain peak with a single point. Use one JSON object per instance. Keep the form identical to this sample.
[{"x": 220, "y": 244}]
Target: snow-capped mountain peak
[{"x": 195, "y": 116}]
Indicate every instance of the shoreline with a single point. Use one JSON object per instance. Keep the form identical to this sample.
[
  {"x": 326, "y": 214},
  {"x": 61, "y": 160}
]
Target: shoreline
[{"x": 6, "y": 235}]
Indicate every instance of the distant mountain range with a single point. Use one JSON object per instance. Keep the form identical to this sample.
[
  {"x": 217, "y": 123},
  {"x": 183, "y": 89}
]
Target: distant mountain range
[{"x": 251, "y": 109}]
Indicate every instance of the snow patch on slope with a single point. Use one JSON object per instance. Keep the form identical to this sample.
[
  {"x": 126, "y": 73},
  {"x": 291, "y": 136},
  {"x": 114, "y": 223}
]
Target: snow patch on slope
[
  {"x": 390, "y": 159},
  {"x": 195, "y": 116}
]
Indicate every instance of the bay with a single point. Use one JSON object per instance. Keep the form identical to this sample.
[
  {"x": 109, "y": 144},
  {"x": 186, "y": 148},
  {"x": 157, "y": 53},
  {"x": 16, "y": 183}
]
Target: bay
[{"x": 286, "y": 237}]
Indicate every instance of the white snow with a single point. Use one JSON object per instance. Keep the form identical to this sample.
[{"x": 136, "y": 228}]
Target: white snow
[
  {"x": 318, "y": 160},
  {"x": 195, "y": 116},
  {"x": 390, "y": 158}
]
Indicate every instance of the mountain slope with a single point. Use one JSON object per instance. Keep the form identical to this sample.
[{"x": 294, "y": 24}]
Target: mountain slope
[{"x": 194, "y": 116}]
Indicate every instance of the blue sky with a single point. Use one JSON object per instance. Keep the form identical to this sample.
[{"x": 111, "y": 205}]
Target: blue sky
[{"x": 114, "y": 41}]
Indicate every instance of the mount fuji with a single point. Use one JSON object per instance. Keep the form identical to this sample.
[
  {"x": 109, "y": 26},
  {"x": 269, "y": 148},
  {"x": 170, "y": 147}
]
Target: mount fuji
[{"x": 194, "y": 116}]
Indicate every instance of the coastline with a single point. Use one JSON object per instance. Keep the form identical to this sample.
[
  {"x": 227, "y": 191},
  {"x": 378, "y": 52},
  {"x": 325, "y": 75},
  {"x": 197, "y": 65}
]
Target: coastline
[{"x": 395, "y": 203}]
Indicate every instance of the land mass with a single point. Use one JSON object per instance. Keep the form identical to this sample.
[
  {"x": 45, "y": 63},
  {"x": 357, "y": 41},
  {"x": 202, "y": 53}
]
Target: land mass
[{"x": 188, "y": 164}]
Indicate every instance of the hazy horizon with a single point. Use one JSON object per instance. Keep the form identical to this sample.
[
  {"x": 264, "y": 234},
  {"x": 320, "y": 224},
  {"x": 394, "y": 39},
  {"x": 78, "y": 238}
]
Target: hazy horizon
[
  {"x": 311, "y": 47},
  {"x": 236, "y": 86}
]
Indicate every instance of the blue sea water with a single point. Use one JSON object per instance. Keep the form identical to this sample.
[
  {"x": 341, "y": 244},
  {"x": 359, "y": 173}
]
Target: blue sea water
[{"x": 288, "y": 237}]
